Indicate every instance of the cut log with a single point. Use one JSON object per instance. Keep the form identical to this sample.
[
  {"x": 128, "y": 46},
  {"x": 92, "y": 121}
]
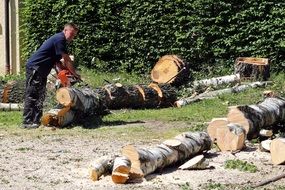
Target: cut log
[
  {"x": 277, "y": 150},
  {"x": 197, "y": 162},
  {"x": 265, "y": 145},
  {"x": 58, "y": 117},
  {"x": 171, "y": 69},
  {"x": 202, "y": 85},
  {"x": 13, "y": 92},
  {"x": 11, "y": 107},
  {"x": 260, "y": 116},
  {"x": 121, "y": 169},
  {"x": 186, "y": 145},
  {"x": 214, "y": 124},
  {"x": 231, "y": 137},
  {"x": 265, "y": 133},
  {"x": 253, "y": 68},
  {"x": 102, "y": 166},
  {"x": 166, "y": 94},
  {"x": 215, "y": 93}
]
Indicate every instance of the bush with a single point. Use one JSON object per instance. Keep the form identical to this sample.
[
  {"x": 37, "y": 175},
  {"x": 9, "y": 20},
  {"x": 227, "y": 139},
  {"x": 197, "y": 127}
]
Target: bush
[{"x": 131, "y": 35}]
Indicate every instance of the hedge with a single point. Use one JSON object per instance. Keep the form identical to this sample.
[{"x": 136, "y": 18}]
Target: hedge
[{"x": 131, "y": 35}]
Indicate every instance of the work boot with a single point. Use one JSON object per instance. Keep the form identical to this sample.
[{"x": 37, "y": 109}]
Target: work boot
[{"x": 30, "y": 126}]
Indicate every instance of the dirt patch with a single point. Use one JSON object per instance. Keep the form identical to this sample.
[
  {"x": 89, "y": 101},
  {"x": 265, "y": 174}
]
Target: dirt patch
[{"x": 56, "y": 161}]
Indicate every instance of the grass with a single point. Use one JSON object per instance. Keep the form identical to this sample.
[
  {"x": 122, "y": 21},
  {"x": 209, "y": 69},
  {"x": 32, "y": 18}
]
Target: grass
[
  {"x": 240, "y": 165},
  {"x": 193, "y": 117}
]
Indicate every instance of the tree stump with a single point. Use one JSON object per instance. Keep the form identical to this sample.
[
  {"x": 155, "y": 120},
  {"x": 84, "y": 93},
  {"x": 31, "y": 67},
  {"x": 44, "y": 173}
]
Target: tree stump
[
  {"x": 171, "y": 69},
  {"x": 253, "y": 68},
  {"x": 260, "y": 116}
]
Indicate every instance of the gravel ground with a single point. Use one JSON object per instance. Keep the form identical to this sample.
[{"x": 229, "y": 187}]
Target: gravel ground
[{"x": 55, "y": 161}]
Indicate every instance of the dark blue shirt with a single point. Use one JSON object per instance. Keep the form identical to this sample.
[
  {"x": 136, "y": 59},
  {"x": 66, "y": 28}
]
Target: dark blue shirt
[{"x": 48, "y": 54}]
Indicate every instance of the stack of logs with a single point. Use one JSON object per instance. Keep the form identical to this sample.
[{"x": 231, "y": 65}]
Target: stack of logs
[{"x": 250, "y": 121}]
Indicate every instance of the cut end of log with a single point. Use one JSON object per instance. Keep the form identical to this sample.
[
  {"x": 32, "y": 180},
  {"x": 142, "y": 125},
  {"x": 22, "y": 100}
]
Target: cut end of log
[
  {"x": 237, "y": 116},
  {"x": 265, "y": 145},
  {"x": 49, "y": 119},
  {"x": 172, "y": 142},
  {"x": 231, "y": 137},
  {"x": 179, "y": 103},
  {"x": 277, "y": 150},
  {"x": 63, "y": 96},
  {"x": 157, "y": 89},
  {"x": 214, "y": 124},
  {"x": 132, "y": 154},
  {"x": 119, "y": 178},
  {"x": 93, "y": 175}
]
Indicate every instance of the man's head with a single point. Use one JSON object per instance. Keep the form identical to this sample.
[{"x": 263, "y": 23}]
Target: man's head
[{"x": 70, "y": 31}]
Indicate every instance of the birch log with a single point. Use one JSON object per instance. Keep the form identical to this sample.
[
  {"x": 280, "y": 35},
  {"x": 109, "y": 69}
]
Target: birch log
[
  {"x": 100, "y": 167},
  {"x": 255, "y": 117},
  {"x": 277, "y": 150},
  {"x": 217, "y": 81},
  {"x": 11, "y": 107},
  {"x": 121, "y": 169},
  {"x": 182, "y": 147},
  {"x": 215, "y": 93}
]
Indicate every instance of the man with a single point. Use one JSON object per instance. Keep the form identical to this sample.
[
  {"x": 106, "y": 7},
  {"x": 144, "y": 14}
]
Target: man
[{"x": 37, "y": 69}]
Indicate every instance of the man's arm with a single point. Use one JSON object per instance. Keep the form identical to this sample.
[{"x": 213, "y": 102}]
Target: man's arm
[{"x": 68, "y": 63}]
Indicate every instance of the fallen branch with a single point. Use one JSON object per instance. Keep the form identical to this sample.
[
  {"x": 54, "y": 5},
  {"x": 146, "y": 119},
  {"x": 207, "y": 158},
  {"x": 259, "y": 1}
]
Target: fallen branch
[
  {"x": 213, "y": 94},
  {"x": 268, "y": 181}
]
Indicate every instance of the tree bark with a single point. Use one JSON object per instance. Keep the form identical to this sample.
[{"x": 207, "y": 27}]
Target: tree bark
[
  {"x": 11, "y": 107},
  {"x": 121, "y": 169},
  {"x": 179, "y": 149},
  {"x": 253, "y": 68},
  {"x": 13, "y": 92},
  {"x": 255, "y": 117},
  {"x": 102, "y": 166},
  {"x": 202, "y": 85}
]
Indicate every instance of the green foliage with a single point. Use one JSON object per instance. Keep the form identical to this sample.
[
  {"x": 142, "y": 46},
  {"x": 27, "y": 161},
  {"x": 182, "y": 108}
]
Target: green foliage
[
  {"x": 131, "y": 35},
  {"x": 240, "y": 165}
]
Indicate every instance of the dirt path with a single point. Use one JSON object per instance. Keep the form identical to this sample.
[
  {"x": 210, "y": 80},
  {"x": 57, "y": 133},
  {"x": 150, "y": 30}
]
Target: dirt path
[{"x": 55, "y": 161}]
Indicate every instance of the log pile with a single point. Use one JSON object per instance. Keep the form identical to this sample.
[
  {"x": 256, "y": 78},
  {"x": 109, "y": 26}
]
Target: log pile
[{"x": 139, "y": 162}]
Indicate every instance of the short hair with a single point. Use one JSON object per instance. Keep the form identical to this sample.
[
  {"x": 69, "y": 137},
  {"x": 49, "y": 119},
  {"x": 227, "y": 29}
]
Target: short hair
[{"x": 72, "y": 25}]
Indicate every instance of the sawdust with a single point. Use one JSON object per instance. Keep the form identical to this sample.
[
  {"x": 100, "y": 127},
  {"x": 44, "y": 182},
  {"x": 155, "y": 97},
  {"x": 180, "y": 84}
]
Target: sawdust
[{"x": 55, "y": 161}]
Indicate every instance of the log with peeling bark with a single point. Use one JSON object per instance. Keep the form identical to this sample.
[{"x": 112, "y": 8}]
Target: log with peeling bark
[
  {"x": 11, "y": 107},
  {"x": 13, "y": 92},
  {"x": 121, "y": 170},
  {"x": 230, "y": 137},
  {"x": 171, "y": 69},
  {"x": 252, "y": 118},
  {"x": 202, "y": 85},
  {"x": 214, "y": 124},
  {"x": 102, "y": 166},
  {"x": 277, "y": 151},
  {"x": 182, "y": 147},
  {"x": 215, "y": 93},
  {"x": 253, "y": 68}
]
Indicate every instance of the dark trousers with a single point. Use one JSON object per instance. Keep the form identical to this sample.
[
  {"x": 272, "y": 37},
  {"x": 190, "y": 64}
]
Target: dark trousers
[{"x": 34, "y": 97}]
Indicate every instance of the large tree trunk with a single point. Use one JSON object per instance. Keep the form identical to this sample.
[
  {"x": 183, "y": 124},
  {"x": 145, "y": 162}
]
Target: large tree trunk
[
  {"x": 252, "y": 68},
  {"x": 215, "y": 93},
  {"x": 13, "y": 92},
  {"x": 171, "y": 69},
  {"x": 175, "y": 150},
  {"x": 255, "y": 117}
]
